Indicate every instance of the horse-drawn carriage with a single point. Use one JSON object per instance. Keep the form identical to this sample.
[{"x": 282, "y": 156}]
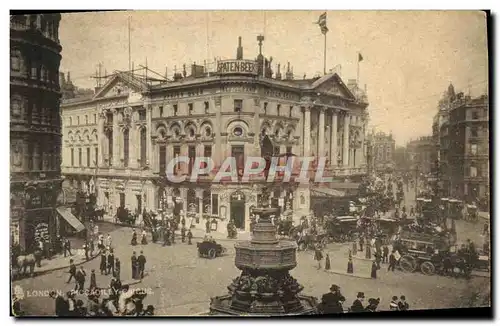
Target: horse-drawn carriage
[
  {"x": 210, "y": 249},
  {"x": 425, "y": 252},
  {"x": 125, "y": 216},
  {"x": 342, "y": 228}
]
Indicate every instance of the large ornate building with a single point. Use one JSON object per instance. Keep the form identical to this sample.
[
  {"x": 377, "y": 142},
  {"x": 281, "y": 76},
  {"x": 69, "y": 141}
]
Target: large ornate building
[
  {"x": 35, "y": 127},
  {"x": 420, "y": 152},
  {"x": 120, "y": 141}
]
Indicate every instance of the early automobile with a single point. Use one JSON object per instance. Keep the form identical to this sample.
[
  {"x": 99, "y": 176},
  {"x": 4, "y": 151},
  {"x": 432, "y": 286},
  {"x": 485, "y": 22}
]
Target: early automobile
[{"x": 210, "y": 249}]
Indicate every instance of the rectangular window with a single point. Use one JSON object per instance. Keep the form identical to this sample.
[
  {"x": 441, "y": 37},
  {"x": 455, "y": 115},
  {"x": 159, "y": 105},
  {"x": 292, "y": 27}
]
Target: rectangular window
[
  {"x": 278, "y": 108},
  {"x": 138, "y": 198},
  {"x": 475, "y": 115},
  {"x": 72, "y": 157},
  {"x": 215, "y": 204},
  {"x": 176, "y": 108},
  {"x": 122, "y": 199},
  {"x": 473, "y": 132},
  {"x": 265, "y": 107},
  {"x": 86, "y": 120},
  {"x": 207, "y": 107},
  {"x": 473, "y": 172},
  {"x": 163, "y": 159},
  {"x": 161, "y": 111},
  {"x": 142, "y": 115},
  {"x": 238, "y": 105},
  {"x": 96, "y": 155},
  {"x": 291, "y": 111},
  {"x": 143, "y": 146},
  {"x": 190, "y": 108},
  {"x": 207, "y": 152},
  {"x": 110, "y": 148},
  {"x": 473, "y": 149},
  {"x": 88, "y": 156},
  {"x": 177, "y": 153},
  {"x": 289, "y": 149},
  {"x": 126, "y": 153},
  {"x": 34, "y": 72},
  {"x": 95, "y": 118},
  {"x": 238, "y": 152},
  {"x": 79, "y": 157},
  {"x": 192, "y": 157}
]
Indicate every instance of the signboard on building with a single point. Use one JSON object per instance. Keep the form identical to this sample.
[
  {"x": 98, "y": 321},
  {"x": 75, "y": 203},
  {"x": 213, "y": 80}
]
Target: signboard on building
[
  {"x": 248, "y": 67},
  {"x": 42, "y": 232}
]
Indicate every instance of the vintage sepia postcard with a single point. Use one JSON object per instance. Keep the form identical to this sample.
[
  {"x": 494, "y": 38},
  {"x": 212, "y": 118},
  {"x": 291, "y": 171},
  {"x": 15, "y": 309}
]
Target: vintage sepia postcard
[{"x": 249, "y": 163}]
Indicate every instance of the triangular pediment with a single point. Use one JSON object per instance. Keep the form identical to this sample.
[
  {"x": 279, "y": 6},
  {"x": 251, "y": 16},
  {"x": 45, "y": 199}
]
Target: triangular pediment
[
  {"x": 121, "y": 84},
  {"x": 332, "y": 84}
]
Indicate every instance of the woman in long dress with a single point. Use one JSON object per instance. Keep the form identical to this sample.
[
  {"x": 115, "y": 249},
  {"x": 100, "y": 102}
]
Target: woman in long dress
[
  {"x": 134, "y": 238},
  {"x": 144, "y": 240}
]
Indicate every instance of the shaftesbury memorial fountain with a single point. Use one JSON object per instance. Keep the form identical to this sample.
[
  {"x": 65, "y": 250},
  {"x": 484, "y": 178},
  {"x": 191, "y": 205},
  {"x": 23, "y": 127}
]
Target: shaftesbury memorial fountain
[{"x": 265, "y": 286}]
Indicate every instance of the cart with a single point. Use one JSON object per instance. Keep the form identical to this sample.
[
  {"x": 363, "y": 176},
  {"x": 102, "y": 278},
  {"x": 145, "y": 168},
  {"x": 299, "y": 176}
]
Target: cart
[{"x": 210, "y": 249}]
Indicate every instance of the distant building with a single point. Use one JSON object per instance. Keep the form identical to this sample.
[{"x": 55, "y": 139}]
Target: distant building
[
  {"x": 462, "y": 127},
  {"x": 420, "y": 153},
  {"x": 401, "y": 159},
  {"x": 383, "y": 146}
]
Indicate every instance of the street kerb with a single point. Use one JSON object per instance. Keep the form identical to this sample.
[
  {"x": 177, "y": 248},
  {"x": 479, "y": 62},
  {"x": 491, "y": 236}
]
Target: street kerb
[
  {"x": 347, "y": 274},
  {"x": 46, "y": 271}
]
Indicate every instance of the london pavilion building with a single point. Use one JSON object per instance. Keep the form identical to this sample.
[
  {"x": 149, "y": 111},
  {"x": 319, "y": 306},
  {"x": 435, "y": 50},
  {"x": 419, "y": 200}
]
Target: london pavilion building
[{"x": 120, "y": 140}]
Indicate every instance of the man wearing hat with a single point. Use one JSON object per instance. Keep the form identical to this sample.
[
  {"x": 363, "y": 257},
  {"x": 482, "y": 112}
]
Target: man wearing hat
[
  {"x": 357, "y": 305},
  {"x": 331, "y": 303},
  {"x": 393, "y": 306}
]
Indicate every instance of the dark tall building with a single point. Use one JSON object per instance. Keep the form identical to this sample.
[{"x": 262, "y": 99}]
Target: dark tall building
[{"x": 35, "y": 127}]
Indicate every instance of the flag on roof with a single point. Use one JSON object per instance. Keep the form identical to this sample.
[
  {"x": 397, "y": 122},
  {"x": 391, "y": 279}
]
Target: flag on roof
[{"x": 322, "y": 23}]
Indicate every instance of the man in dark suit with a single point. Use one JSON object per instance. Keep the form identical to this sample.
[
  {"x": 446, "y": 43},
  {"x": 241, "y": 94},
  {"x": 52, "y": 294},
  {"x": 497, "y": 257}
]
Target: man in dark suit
[
  {"x": 331, "y": 303},
  {"x": 392, "y": 261},
  {"x": 141, "y": 260},
  {"x": 61, "y": 304},
  {"x": 72, "y": 270},
  {"x": 111, "y": 263},
  {"x": 357, "y": 305},
  {"x": 80, "y": 279}
]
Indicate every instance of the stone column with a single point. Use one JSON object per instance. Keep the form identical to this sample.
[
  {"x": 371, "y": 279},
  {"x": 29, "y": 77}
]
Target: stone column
[
  {"x": 345, "y": 151},
  {"x": 321, "y": 133},
  {"x": 307, "y": 131},
  {"x": 100, "y": 139},
  {"x": 116, "y": 140},
  {"x": 256, "y": 127},
  {"x": 217, "y": 154},
  {"x": 333, "y": 140},
  {"x": 149, "y": 141}
]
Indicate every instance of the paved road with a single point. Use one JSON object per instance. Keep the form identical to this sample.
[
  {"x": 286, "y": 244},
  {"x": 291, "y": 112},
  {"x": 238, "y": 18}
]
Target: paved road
[{"x": 180, "y": 283}]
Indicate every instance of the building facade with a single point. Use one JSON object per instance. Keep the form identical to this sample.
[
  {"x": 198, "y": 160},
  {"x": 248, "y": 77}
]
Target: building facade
[
  {"x": 383, "y": 147},
  {"x": 35, "y": 127},
  {"x": 461, "y": 140},
  {"x": 420, "y": 152},
  {"x": 121, "y": 140},
  {"x": 468, "y": 130}
]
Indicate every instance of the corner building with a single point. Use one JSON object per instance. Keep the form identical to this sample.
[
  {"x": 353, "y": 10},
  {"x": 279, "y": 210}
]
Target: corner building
[
  {"x": 132, "y": 129},
  {"x": 35, "y": 128}
]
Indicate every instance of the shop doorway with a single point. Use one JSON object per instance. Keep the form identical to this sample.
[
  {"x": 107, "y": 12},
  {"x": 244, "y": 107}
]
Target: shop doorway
[{"x": 237, "y": 208}]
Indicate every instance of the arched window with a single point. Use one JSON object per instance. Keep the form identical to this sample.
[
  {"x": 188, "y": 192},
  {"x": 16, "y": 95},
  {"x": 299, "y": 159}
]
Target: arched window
[
  {"x": 125, "y": 147},
  {"x": 79, "y": 157},
  {"x": 143, "y": 146},
  {"x": 207, "y": 205},
  {"x": 86, "y": 119}
]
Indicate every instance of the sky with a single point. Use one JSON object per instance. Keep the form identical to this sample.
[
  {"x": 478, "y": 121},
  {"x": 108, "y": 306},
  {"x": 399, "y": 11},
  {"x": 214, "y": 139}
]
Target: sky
[{"x": 409, "y": 57}]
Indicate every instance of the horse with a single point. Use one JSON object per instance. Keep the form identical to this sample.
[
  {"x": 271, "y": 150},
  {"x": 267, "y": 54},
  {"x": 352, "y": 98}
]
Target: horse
[{"x": 23, "y": 262}]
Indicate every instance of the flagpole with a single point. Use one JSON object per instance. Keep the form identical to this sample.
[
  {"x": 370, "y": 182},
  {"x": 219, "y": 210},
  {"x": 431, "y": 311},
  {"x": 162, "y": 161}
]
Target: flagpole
[
  {"x": 324, "y": 58},
  {"x": 357, "y": 78}
]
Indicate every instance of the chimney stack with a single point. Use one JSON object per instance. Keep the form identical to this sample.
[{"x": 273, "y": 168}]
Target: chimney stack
[
  {"x": 69, "y": 78},
  {"x": 239, "y": 50},
  {"x": 278, "y": 74},
  {"x": 289, "y": 73},
  {"x": 62, "y": 80}
]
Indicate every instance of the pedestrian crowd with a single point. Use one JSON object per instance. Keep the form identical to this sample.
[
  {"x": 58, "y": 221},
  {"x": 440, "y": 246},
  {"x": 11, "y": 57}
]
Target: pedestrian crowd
[{"x": 333, "y": 301}]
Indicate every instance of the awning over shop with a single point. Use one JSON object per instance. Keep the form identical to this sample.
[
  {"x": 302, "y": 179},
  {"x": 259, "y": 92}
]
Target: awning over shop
[
  {"x": 70, "y": 218},
  {"x": 322, "y": 192}
]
